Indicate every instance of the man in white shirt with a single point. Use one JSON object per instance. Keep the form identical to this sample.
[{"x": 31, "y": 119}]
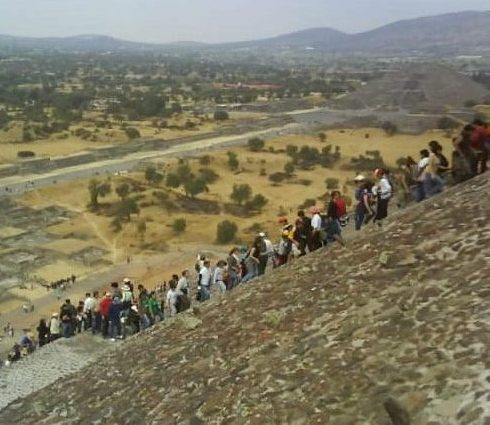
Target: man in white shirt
[
  {"x": 88, "y": 306},
  {"x": 183, "y": 286},
  {"x": 204, "y": 280},
  {"x": 316, "y": 227}
]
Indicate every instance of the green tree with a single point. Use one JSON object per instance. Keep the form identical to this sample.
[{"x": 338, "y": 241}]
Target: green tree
[
  {"x": 332, "y": 183},
  {"x": 194, "y": 187},
  {"x": 221, "y": 115},
  {"x": 132, "y": 133},
  {"x": 241, "y": 193},
  {"x": 98, "y": 189},
  {"x": 389, "y": 128},
  {"x": 179, "y": 225},
  {"x": 322, "y": 137},
  {"x": 152, "y": 175},
  {"x": 126, "y": 207},
  {"x": 172, "y": 180},
  {"x": 205, "y": 160},
  {"x": 289, "y": 169},
  {"x": 122, "y": 190},
  {"x": 208, "y": 175},
  {"x": 141, "y": 228},
  {"x": 257, "y": 202},
  {"x": 233, "y": 161},
  {"x": 256, "y": 144},
  {"x": 184, "y": 172},
  {"x": 226, "y": 232},
  {"x": 447, "y": 123},
  {"x": 291, "y": 150}
]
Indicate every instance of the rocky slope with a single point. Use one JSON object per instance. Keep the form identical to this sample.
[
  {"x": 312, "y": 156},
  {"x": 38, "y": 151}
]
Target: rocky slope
[{"x": 392, "y": 330}]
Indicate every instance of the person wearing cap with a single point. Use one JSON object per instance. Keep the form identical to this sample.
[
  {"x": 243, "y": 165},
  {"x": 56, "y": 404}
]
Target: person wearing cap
[{"x": 54, "y": 327}]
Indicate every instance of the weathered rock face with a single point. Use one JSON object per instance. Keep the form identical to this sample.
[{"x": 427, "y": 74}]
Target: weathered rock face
[{"x": 338, "y": 338}]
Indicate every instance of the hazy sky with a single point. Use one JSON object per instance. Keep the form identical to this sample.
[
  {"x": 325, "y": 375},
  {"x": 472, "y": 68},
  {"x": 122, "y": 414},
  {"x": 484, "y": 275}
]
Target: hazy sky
[{"x": 210, "y": 20}]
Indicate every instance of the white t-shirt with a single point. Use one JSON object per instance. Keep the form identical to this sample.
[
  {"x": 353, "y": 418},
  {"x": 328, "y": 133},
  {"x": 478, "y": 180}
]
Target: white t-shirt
[
  {"x": 218, "y": 274},
  {"x": 88, "y": 304},
  {"x": 269, "y": 248},
  {"x": 383, "y": 188},
  {"x": 422, "y": 166},
  {"x": 171, "y": 296},
  {"x": 205, "y": 276},
  {"x": 316, "y": 222},
  {"x": 182, "y": 284}
]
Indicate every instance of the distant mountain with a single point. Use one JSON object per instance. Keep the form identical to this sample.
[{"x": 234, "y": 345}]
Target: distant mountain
[
  {"x": 314, "y": 37},
  {"x": 455, "y": 33},
  {"x": 80, "y": 43}
]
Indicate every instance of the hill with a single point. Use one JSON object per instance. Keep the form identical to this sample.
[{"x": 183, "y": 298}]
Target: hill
[
  {"x": 455, "y": 33},
  {"x": 462, "y": 32},
  {"x": 396, "y": 324},
  {"x": 417, "y": 87}
]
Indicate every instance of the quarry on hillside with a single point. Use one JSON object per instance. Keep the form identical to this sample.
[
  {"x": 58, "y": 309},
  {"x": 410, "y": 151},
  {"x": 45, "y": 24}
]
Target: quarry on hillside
[{"x": 391, "y": 330}]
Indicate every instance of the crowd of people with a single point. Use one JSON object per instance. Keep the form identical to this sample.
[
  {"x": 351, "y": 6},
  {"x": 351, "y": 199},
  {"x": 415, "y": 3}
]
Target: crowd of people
[{"x": 126, "y": 308}]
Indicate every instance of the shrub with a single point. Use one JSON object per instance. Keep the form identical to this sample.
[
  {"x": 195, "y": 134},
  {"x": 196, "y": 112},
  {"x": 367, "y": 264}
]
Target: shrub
[
  {"x": 226, "y": 232},
  {"x": 208, "y": 175},
  {"x": 241, "y": 193},
  {"x": 447, "y": 123},
  {"x": 25, "y": 154},
  {"x": 132, "y": 133},
  {"x": 389, "y": 128},
  {"x": 205, "y": 160},
  {"x": 221, "y": 115},
  {"x": 256, "y": 144},
  {"x": 233, "y": 161},
  {"x": 332, "y": 183},
  {"x": 257, "y": 202},
  {"x": 277, "y": 177},
  {"x": 289, "y": 169},
  {"x": 307, "y": 203},
  {"x": 179, "y": 225},
  {"x": 173, "y": 180}
]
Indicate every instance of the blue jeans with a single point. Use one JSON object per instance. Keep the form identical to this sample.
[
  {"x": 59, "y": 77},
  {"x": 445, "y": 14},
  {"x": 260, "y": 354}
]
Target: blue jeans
[
  {"x": 66, "y": 329},
  {"x": 360, "y": 216},
  {"x": 417, "y": 192},
  {"x": 252, "y": 271},
  {"x": 204, "y": 293},
  {"x": 115, "y": 328},
  {"x": 432, "y": 184}
]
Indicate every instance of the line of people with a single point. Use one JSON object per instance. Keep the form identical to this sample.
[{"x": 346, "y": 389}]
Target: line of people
[{"x": 123, "y": 310}]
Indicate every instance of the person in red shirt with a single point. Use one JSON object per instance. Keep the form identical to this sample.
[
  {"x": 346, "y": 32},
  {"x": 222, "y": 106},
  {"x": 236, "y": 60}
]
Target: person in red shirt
[
  {"x": 479, "y": 143},
  {"x": 105, "y": 306}
]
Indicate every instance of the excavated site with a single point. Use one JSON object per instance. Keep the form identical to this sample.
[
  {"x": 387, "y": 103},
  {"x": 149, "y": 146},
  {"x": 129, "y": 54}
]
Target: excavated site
[{"x": 394, "y": 329}]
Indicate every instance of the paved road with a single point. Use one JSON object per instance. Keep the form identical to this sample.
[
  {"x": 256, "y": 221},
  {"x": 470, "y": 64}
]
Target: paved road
[{"x": 17, "y": 185}]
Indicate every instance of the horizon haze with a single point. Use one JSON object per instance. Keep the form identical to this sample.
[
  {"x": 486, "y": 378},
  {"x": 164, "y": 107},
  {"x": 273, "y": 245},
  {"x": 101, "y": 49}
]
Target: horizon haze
[{"x": 216, "y": 21}]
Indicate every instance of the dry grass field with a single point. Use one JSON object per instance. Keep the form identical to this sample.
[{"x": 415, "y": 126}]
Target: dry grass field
[
  {"x": 201, "y": 224},
  {"x": 67, "y": 142}
]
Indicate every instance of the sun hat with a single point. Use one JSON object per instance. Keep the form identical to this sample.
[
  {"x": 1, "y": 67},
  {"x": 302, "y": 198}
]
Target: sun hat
[
  {"x": 54, "y": 315},
  {"x": 126, "y": 280},
  {"x": 262, "y": 234},
  {"x": 359, "y": 178}
]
